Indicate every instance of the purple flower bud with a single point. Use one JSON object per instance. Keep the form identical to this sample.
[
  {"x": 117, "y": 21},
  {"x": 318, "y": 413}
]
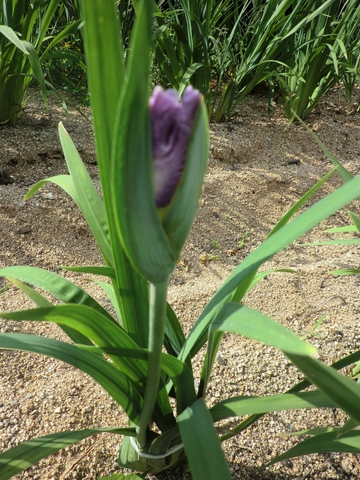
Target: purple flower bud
[{"x": 172, "y": 121}]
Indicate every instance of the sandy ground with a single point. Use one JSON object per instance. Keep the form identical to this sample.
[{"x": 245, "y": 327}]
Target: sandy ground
[{"x": 257, "y": 170}]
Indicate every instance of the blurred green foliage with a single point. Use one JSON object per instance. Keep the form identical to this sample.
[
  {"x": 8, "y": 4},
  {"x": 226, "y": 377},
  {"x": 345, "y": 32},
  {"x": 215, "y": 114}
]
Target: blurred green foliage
[
  {"x": 297, "y": 49},
  {"x": 28, "y": 34}
]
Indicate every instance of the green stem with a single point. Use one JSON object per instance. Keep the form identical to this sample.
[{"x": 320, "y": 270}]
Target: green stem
[{"x": 156, "y": 339}]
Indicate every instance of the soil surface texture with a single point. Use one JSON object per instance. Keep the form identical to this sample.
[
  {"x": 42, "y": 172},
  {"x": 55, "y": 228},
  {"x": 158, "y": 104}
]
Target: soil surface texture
[{"x": 257, "y": 170}]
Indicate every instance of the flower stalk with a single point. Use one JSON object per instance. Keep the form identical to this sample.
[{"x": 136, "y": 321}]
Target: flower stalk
[{"x": 158, "y": 293}]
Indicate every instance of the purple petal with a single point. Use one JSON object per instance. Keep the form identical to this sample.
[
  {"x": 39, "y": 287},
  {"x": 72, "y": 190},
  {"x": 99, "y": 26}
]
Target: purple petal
[{"x": 172, "y": 120}]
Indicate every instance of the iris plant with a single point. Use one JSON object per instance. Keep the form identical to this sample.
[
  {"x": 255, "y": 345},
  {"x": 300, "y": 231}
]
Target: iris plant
[
  {"x": 152, "y": 159},
  {"x": 172, "y": 123}
]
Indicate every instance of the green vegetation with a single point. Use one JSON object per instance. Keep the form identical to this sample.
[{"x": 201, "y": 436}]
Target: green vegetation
[
  {"x": 297, "y": 49},
  {"x": 28, "y": 33},
  {"x": 137, "y": 351}
]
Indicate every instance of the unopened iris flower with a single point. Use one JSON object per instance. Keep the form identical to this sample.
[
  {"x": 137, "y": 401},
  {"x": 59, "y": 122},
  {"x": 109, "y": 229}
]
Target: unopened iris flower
[{"x": 172, "y": 121}]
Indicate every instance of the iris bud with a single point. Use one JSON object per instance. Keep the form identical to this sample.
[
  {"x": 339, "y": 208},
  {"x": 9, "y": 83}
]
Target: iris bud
[
  {"x": 159, "y": 160},
  {"x": 172, "y": 121},
  {"x": 188, "y": 159}
]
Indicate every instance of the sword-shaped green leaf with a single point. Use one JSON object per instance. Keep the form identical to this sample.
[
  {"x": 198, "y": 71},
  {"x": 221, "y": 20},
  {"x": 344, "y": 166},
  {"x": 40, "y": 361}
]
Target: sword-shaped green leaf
[
  {"x": 282, "y": 238},
  {"x": 26, "y": 454},
  {"x": 238, "y": 406},
  {"x": 58, "y": 286},
  {"x": 94, "y": 326},
  {"x": 324, "y": 443},
  {"x": 106, "y": 73},
  {"x": 89, "y": 201},
  {"x": 139, "y": 227},
  {"x": 255, "y": 325},
  {"x": 202, "y": 444},
  {"x": 345, "y": 393},
  {"x": 116, "y": 383}
]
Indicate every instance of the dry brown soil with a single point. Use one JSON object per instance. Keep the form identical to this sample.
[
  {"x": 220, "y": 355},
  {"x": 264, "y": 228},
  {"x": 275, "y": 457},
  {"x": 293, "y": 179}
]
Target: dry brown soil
[{"x": 257, "y": 170}]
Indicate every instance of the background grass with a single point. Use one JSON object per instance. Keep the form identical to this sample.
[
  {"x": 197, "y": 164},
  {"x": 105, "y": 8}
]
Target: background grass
[{"x": 297, "y": 49}]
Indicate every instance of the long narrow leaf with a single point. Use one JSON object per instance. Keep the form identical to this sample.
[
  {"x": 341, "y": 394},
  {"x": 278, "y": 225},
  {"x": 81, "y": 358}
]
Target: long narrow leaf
[
  {"x": 101, "y": 27},
  {"x": 345, "y": 174},
  {"x": 202, "y": 445},
  {"x": 345, "y": 228},
  {"x": 344, "y": 392},
  {"x": 117, "y": 384},
  {"x": 106, "y": 74},
  {"x": 89, "y": 200},
  {"x": 105, "y": 271},
  {"x": 36, "y": 68},
  {"x": 92, "y": 325},
  {"x": 237, "y": 406},
  {"x": 35, "y": 296},
  {"x": 63, "y": 181},
  {"x": 296, "y": 207},
  {"x": 259, "y": 276},
  {"x": 211, "y": 352},
  {"x": 11, "y": 35},
  {"x": 252, "y": 324},
  {"x": 344, "y": 362},
  {"x": 345, "y": 241},
  {"x": 42, "y": 302},
  {"x": 251, "y": 282},
  {"x": 59, "y": 287},
  {"x": 284, "y": 237},
  {"x": 345, "y": 272},
  {"x": 110, "y": 292},
  {"x": 26, "y": 454},
  {"x": 324, "y": 443},
  {"x": 174, "y": 335}
]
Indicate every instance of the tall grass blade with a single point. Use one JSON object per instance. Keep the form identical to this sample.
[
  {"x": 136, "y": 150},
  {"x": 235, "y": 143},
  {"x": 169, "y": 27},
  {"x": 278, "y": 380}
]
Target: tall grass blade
[
  {"x": 22, "y": 457},
  {"x": 284, "y": 237},
  {"x": 324, "y": 443},
  {"x": 117, "y": 384},
  {"x": 238, "y": 406},
  {"x": 343, "y": 391},
  {"x": 202, "y": 445},
  {"x": 252, "y": 324}
]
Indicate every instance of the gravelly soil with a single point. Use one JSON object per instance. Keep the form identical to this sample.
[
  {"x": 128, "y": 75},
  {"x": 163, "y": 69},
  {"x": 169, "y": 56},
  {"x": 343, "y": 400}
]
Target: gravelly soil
[{"x": 257, "y": 170}]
